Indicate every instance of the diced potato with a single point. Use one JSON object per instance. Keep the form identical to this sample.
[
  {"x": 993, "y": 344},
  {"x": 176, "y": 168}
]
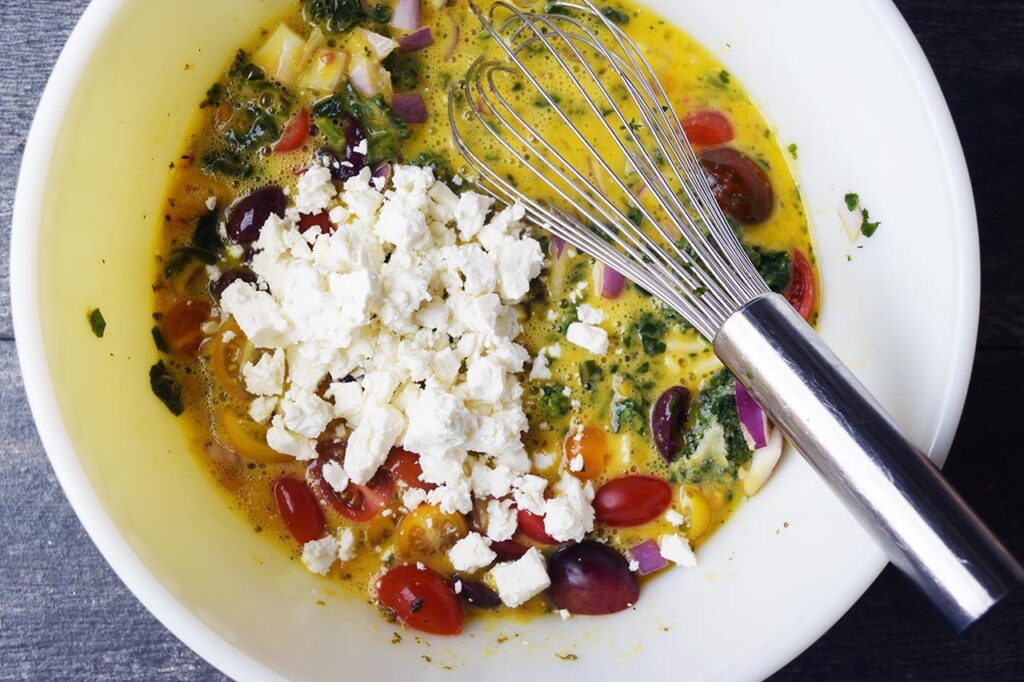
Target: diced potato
[
  {"x": 281, "y": 56},
  {"x": 368, "y": 77},
  {"x": 325, "y": 71}
]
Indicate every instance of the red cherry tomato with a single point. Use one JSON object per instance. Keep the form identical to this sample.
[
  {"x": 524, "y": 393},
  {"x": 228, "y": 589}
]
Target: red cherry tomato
[
  {"x": 707, "y": 128},
  {"x": 181, "y": 325},
  {"x": 295, "y": 133},
  {"x": 421, "y": 599},
  {"x": 356, "y": 502},
  {"x": 631, "y": 501},
  {"x": 320, "y": 221},
  {"x": 740, "y": 186},
  {"x": 298, "y": 509},
  {"x": 508, "y": 550},
  {"x": 802, "y": 292},
  {"x": 532, "y": 526},
  {"x": 405, "y": 466}
]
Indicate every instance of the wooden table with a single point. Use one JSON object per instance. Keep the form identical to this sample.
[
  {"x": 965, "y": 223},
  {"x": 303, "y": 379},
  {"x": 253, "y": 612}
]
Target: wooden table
[{"x": 64, "y": 615}]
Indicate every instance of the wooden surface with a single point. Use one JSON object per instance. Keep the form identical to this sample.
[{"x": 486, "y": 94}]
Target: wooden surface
[{"x": 65, "y": 615}]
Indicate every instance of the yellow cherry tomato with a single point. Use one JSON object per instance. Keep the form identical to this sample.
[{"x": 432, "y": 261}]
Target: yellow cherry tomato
[
  {"x": 249, "y": 439},
  {"x": 227, "y": 359},
  {"x": 590, "y": 444},
  {"x": 426, "y": 534}
]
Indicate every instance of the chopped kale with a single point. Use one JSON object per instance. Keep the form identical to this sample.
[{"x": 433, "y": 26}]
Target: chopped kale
[
  {"x": 615, "y": 15},
  {"x": 384, "y": 129},
  {"x": 404, "y": 70},
  {"x": 852, "y": 200},
  {"x": 97, "y": 323},
  {"x": 553, "y": 401},
  {"x": 435, "y": 161},
  {"x": 213, "y": 96},
  {"x": 205, "y": 246},
  {"x": 251, "y": 127},
  {"x": 334, "y": 16},
  {"x": 379, "y": 14},
  {"x": 715, "y": 407},
  {"x": 629, "y": 413},
  {"x": 724, "y": 77},
  {"x": 776, "y": 267},
  {"x": 166, "y": 388},
  {"x": 867, "y": 228},
  {"x": 590, "y": 374},
  {"x": 651, "y": 330},
  {"x": 158, "y": 340}
]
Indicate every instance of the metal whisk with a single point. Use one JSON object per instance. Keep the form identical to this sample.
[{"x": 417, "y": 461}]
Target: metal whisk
[{"x": 641, "y": 204}]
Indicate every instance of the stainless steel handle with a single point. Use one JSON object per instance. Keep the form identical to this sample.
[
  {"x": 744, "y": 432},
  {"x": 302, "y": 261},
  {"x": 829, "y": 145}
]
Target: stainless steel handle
[{"x": 889, "y": 485}]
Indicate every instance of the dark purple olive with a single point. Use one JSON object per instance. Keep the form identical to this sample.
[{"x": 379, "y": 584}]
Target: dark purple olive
[
  {"x": 346, "y": 163},
  {"x": 475, "y": 593},
  {"x": 591, "y": 579},
  {"x": 217, "y": 288},
  {"x": 246, "y": 217},
  {"x": 668, "y": 416},
  {"x": 741, "y": 188}
]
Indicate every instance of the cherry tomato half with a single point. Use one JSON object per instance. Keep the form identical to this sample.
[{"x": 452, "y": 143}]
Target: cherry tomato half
[
  {"x": 405, "y": 466},
  {"x": 227, "y": 359},
  {"x": 295, "y": 133},
  {"x": 426, "y": 534},
  {"x": 631, "y": 501},
  {"x": 707, "y": 128},
  {"x": 591, "y": 445},
  {"x": 319, "y": 221},
  {"x": 802, "y": 292},
  {"x": 532, "y": 526},
  {"x": 421, "y": 599},
  {"x": 181, "y": 325},
  {"x": 740, "y": 186},
  {"x": 298, "y": 509},
  {"x": 356, "y": 502}
]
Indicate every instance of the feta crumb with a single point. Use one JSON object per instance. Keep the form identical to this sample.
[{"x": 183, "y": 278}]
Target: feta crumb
[
  {"x": 501, "y": 520},
  {"x": 634, "y": 565},
  {"x": 518, "y": 581},
  {"x": 370, "y": 443},
  {"x": 471, "y": 553},
  {"x": 289, "y": 443},
  {"x": 528, "y": 492},
  {"x": 676, "y": 549},
  {"x": 228, "y": 336},
  {"x": 315, "y": 190},
  {"x": 569, "y": 515},
  {"x": 576, "y": 463},
  {"x": 319, "y": 555},
  {"x": 589, "y": 315},
  {"x": 593, "y": 339},
  {"x": 346, "y": 545},
  {"x": 540, "y": 370},
  {"x": 674, "y": 517},
  {"x": 335, "y": 476},
  {"x": 262, "y": 408},
  {"x": 564, "y": 614}
]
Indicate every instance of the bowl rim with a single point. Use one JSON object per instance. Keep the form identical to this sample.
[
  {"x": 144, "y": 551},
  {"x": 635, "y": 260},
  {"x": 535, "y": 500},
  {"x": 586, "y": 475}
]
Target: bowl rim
[{"x": 157, "y": 599}]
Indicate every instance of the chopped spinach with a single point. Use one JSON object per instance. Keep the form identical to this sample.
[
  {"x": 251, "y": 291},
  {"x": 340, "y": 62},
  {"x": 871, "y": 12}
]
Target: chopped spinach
[
  {"x": 553, "y": 401},
  {"x": 716, "y": 405},
  {"x": 615, "y": 15},
  {"x": 166, "y": 388},
  {"x": 590, "y": 374},
  {"x": 334, "y": 16},
  {"x": 435, "y": 161},
  {"x": 629, "y": 413},
  {"x": 651, "y": 330},
  {"x": 793, "y": 150},
  {"x": 404, "y": 70},
  {"x": 776, "y": 267},
  {"x": 158, "y": 340},
  {"x": 251, "y": 127},
  {"x": 867, "y": 228},
  {"x": 384, "y": 129},
  {"x": 852, "y": 200},
  {"x": 97, "y": 323},
  {"x": 205, "y": 246},
  {"x": 724, "y": 77}
]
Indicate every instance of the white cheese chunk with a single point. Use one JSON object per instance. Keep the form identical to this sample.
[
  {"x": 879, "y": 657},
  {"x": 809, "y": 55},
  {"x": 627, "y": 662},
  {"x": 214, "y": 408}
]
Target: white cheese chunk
[
  {"x": 569, "y": 515},
  {"x": 502, "y": 520},
  {"x": 370, "y": 443},
  {"x": 320, "y": 555},
  {"x": 346, "y": 545},
  {"x": 676, "y": 549},
  {"x": 593, "y": 339},
  {"x": 335, "y": 476},
  {"x": 471, "y": 553},
  {"x": 588, "y": 314},
  {"x": 518, "y": 581}
]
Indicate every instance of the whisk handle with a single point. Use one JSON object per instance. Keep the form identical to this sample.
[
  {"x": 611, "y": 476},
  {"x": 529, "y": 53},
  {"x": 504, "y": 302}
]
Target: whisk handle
[{"x": 896, "y": 493}]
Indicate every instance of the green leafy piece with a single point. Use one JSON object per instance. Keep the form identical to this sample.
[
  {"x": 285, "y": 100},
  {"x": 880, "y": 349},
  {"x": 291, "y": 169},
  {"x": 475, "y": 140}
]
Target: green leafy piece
[
  {"x": 225, "y": 162},
  {"x": 379, "y": 14},
  {"x": 776, "y": 267},
  {"x": 629, "y": 413},
  {"x": 793, "y": 150},
  {"x": 615, "y": 15},
  {"x": 97, "y": 323},
  {"x": 205, "y": 246},
  {"x": 716, "y": 406},
  {"x": 867, "y": 228},
  {"x": 251, "y": 127},
  {"x": 852, "y": 200},
  {"x": 651, "y": 330},
  {"x": 404, "y": 70},
  {"x": 384, "y": 129},
  {"x": 590, "y": 374},
  {"x": 442, "y": 171},
  {"x": 724, "y": 77},
  {"x": 166, "y": 388},
  {"x": 553, "y": 400},
  {"x": 213, "y": 96},
  {"x": 334, "y": 16},
  {"x": 555, "y": 8},
  {"x": 159, "y": 341}
]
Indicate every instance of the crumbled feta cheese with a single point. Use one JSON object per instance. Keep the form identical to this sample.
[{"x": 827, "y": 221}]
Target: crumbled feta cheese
[
  {"x": 370, "y": 443},
  {"x": 471, "y": 553},
  {"x": 315, "y": 190},
  {"x": 676, "y": 549},
  {"x": 528, "y": 492},
  {"x": 471, "y": 213},
  {"x": 569, "y": 515},
  {"x": 540, "y": 371},
  {"x": 576, "y": 463},
  {"x": 319, "y": 555},
  {"x": 335, "y": 476},
  {"x": 588, "y": 314},
  {"x": 262, "y": 408},
  {"x": 346, "y": 545},
  {"x": 305, "y": 412},
  {"x": 280, "y": 438},
  {"x": 564, "y": 614},
  {"x": 518, "y": 581},
  {"x": 593, "y": 339},
  {"x": 634, "y": 565},
  {"x": 413, "y": 497},
  {"x": 674, "y": 517},
  {"x": 502, "y": 520}
]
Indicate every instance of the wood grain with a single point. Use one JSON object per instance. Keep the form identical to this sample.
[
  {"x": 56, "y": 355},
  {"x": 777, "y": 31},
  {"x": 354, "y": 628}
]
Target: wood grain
[{"x": 65, "y": 615}]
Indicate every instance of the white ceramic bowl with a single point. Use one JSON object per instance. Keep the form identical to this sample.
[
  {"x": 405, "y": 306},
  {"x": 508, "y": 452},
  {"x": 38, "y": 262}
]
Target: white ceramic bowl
[{"x": 902, "y": 311}]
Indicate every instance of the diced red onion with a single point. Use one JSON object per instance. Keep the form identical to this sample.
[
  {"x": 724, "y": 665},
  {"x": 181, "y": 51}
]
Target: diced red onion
[
  {"x": 382, "y": 46},
  {"x": 648, "y": 556},
  {"x": 751, "y": 417},
  {"x": 612, "y": 283},
  {"x": 416, "y": 40},
  {"x": 383, "y": 171},
  {"x": 406, "y": 15},
  {"x": 559, "y": 245},
  {"x": 361, "y": 78},
  {"x": 410, "y": 106}
]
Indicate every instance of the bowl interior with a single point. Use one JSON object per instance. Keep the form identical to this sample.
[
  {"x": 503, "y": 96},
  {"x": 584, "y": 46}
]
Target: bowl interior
[{"x": 902, "y": 311}]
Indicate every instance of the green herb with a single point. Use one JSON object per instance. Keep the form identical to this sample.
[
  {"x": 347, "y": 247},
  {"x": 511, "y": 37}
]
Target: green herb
[
  {"x": 213, "y": 96},
  {"x": 384, "y": 129},
  {"x": 716, "y": 404},
  {"x": 615, "y": 15},
  {"x": 334, "y": 16},
  {"x": 635, "y": 216},
  {"x": 251, "y": 127},
  {"x": 555, "y": 8},
  {"x": 590, "y": 374},
  {"x": 793, "y": 150},
  {"x": 379, "y": 14},
  {"x": 554, "y": 401},
  {"x": 651, "y": 331},
  {"x": 852, "y": 201},
  {"x": 775, "y": 267},
  {"x": 205, "y": 246},
  {"x": 166, "y": 388},
  {"x": 540, "y": 101},
  {"x": 628, "y": 413},
  {"x": 96, "y": 321},
  {"x": 404, "y": 70},
  {"x": 158, "y": 340},
  {"x": 724, "y": 76},
  {"x": 332, "y": 132},
  {"x": 867, "y": 228}
]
